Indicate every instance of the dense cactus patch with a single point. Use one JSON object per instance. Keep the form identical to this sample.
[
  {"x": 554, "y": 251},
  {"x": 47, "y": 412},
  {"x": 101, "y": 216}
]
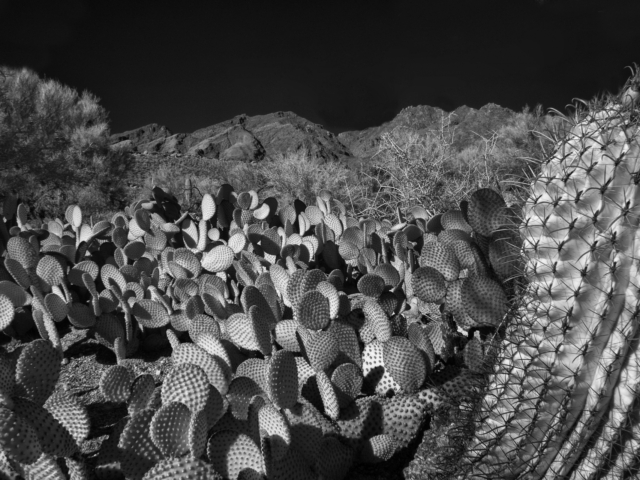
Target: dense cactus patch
[{"x": 303, "y": 340}]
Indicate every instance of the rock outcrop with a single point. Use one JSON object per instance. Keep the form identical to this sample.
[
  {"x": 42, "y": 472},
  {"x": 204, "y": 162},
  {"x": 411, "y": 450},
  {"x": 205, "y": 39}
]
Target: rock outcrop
[{"x": 139, "y": 136}]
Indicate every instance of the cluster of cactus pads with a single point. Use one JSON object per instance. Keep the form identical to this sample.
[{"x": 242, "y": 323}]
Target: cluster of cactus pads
[{"x": 304, "y": 342}]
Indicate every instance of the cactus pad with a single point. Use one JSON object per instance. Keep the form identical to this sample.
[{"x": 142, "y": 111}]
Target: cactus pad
[
  {"x": 115, "y": 383},
  {"x": 139, "y": 453},
  {"x": 218, "y": 259},
  {"x": 371, "y": 285},
  {"x": 169, "y": 429},
  {"x": 37, "y": 371},
  {"x": 376, "y": 377},
  {"x": 321, "y": 348},
  {"x": 282, "y": 379},
  {"x": 21, "y": 250},
  {"x": 215, "y": 370},
  {"x": 442, "y": 258},
  {"x": 7, "y": 311},
  {"x": 272, "y": 424},
  {"x": 314, "y": 310},
  {"x": 484, "y": 301},
  {"x": 186, "y": 383},
  {"x": 378, "y": 320},
  {"x": 378, "y": 448},
  {"x": 234, "y": 454},
  {"x": 150, "y": 314},
  {"x": 142, "y": 391},
  {"x": 18, "y": 438},
  {"x": 404, "y": 363},
  {"x": 347, "y": 381},
  {"x": 249, "y": 331},
  {"x": 72, "y": 415},
  {"x": 428, "y": 284},
  {"x": 53, "y": 437},
  {"x": 486, "y": 211}
]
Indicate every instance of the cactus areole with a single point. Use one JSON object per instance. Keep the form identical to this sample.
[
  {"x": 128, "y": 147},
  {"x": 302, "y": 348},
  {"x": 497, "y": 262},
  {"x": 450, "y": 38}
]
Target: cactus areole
[{"x": 563, "y": 400}]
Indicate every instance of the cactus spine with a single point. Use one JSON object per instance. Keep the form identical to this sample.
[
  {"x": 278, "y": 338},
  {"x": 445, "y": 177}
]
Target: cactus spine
[{"x": 567, "y": 381}]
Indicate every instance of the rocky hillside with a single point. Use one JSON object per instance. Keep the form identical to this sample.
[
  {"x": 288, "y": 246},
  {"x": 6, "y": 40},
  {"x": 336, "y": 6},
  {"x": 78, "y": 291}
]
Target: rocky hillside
[
  {"x": 468, "y": 124},
  {"x": 262, "y": 136},
  {"x": 242, "y": 138}
]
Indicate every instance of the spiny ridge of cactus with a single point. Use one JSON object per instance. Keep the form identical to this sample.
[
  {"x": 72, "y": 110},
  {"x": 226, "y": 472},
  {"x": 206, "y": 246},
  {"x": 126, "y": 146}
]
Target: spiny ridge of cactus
[{"x": 562, "y": 401}]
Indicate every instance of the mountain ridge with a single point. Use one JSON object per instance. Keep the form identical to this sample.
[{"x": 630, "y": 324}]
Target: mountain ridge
[{"x": 254, "y": 138}]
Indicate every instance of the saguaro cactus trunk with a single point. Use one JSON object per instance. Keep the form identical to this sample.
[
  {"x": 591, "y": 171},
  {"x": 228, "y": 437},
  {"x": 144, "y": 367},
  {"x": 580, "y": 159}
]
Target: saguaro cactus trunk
[{"x": 564, "y": 400}]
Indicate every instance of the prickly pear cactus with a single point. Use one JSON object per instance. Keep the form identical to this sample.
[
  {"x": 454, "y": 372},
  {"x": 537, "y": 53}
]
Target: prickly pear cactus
[{"x": 562, "y": 402}]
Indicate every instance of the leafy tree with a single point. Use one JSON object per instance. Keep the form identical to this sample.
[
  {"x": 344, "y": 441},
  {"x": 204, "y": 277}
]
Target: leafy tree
[{"x": 54, "y": 146}]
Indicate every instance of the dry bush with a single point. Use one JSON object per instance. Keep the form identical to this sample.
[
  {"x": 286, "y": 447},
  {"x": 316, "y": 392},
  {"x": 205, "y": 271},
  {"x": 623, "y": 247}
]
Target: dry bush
[
  {"x": 54, "y": 147},
  {"x": 424, "y": 168},
  {"x": 206, "y": 177},
  {"x": 285, "y": 177},
  {"x": 420, "y": 169},
  {"x": 298, "y": 175}
]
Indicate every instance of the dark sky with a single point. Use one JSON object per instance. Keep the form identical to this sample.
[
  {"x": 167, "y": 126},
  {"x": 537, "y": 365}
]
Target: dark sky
[{"x": 347, "y": 65}]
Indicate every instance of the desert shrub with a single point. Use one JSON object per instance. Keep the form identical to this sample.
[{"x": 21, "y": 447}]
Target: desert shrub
[
  {"x": 171, "y": 178},
  {"x": 242, "y": 175},
  {"x": 206, "y": 177},
  {"x": 425, "y": 168},
  {"x": 54, "y": 147},
  {"x": 299, "y": 175},
  {"x": 285, "y": 176},
  {"x": 412, "y": 168}
]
